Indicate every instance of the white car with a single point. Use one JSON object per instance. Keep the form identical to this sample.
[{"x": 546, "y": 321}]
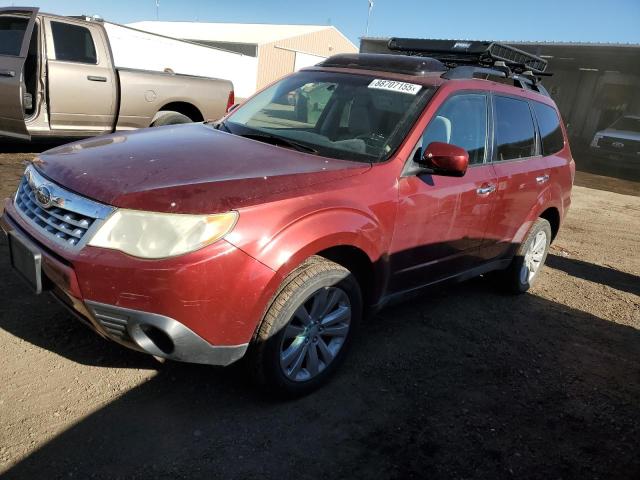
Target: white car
[{"x": 622, "y": 138}]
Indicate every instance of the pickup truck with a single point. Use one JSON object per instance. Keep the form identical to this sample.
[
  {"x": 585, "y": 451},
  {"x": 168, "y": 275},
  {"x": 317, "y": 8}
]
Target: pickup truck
[{"x": 59, "y": 77}]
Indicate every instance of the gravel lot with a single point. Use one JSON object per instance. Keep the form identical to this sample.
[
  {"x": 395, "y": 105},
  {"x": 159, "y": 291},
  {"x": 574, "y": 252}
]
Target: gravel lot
[{"x": 463, "y": 383}]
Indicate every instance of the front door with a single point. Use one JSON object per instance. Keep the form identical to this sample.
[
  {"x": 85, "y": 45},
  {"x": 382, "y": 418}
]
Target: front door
[
  {"x": 441, "y": 220},
  {"x": 81, "y": 78},
  {"x": 16, "y": 28}
]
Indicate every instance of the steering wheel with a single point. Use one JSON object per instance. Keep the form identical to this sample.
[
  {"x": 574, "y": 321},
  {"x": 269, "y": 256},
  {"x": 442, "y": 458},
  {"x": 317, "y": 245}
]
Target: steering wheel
[{"x": 371, "y": 139}]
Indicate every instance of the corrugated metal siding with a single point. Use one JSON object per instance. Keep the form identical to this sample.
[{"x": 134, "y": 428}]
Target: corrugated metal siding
[{"x": 277, "y": 59}]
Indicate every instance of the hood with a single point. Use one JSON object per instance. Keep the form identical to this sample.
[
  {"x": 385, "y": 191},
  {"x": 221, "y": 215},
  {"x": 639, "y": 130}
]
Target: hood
[
  {"x": 187, "y": 169},
  {"x": 623, "y": 134}
]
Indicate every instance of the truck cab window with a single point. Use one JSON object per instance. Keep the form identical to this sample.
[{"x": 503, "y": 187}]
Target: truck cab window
[
  {"x": 12, "y": 29},
  {"x": 73, "y": 43}
]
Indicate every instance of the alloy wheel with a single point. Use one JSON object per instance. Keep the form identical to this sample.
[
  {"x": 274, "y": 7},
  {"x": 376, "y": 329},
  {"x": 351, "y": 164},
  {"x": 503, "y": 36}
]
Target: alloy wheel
[{"x": 315, "y": 334}]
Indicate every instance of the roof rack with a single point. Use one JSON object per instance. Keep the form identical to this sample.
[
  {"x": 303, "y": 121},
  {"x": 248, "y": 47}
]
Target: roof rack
[{"x": 466, "y": 59}]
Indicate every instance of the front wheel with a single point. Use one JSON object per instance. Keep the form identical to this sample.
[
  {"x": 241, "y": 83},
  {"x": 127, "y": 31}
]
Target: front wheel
[
  {"x": 529, "y": 259},
  {"x": 307, "y": 331}
]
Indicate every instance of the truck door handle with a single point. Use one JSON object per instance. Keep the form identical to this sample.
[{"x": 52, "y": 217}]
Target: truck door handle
[
  {"x": 93, "y": 78},
  {"x": 7, "y": 73},
  {"x": 542, "y": 178},
  {"x": 486, "y": 190}
]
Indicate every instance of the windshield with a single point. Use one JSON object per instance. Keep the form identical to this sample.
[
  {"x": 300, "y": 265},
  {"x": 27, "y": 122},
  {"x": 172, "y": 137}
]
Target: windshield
[
  {"x": 352, "y": 117},
  {"x": 627, "y": 123}
]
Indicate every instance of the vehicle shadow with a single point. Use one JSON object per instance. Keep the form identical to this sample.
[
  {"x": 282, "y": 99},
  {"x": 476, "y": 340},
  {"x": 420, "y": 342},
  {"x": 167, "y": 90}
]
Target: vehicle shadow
[
  {"x": 626, "y": 282},
  {"x": 463, "y": 382},
  {"x": 8, "y": 145}
]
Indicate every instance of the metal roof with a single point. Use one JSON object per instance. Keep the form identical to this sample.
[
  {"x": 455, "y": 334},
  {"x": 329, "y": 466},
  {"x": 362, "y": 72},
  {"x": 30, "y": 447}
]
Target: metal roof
[{"x": 250, "y": 33}]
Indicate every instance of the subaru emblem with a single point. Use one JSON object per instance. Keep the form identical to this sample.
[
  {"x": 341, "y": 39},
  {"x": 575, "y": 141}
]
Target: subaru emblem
[{"x": 43, "y": 196}]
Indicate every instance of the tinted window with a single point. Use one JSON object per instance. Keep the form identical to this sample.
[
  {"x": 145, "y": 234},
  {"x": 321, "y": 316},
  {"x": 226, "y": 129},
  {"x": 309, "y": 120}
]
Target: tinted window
[
  {"x": 461, "y": 121},
  {"x": 549, "y": 126},
  {"x": 515, "y": 135},
  {"x": 12, "y": 30},
  {"x": 73, "y": 43}
]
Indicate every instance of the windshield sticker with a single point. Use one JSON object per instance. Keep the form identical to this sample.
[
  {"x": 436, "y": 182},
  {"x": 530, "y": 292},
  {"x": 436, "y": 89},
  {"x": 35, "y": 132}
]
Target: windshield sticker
[{"x": 393, "y": 86}]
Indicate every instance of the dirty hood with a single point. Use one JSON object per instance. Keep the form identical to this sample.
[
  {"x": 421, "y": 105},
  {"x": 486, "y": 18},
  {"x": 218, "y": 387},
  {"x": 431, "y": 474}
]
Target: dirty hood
[{"x": 187, "y": 169}]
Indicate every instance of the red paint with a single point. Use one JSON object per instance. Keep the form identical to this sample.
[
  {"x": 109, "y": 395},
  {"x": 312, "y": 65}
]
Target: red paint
[{"x": 414, "y": 228}]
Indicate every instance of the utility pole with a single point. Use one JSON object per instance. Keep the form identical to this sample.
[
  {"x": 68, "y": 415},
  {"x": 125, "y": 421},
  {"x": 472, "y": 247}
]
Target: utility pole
[
  {"x": 368, "y": 17},
  {"x": 157, "y": 9}
]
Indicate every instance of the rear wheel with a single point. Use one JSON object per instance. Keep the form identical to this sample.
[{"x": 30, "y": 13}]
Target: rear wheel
[
  {"x": 170, "y": 118},
  {"x": 307, "y": 331},
  {"x": 529, "y": 259}
]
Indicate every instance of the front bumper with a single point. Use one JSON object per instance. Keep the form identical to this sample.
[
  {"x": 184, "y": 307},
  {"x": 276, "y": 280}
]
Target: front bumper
[{"x": 202, "y": 307}]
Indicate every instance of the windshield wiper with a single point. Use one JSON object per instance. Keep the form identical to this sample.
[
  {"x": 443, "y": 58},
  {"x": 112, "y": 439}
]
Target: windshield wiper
[{"x": 275, "y": 140}]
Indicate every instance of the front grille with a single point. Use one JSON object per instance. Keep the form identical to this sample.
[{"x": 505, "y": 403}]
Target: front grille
[
  {"x": 68, "y": 219},
  {"x": 64, "y": 224},
  {"x": 628, "y": 146}
]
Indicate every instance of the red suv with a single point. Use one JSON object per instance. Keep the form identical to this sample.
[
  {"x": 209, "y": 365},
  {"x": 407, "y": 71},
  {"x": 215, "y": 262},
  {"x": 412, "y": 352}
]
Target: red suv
[{"x": 330, "y": 193}]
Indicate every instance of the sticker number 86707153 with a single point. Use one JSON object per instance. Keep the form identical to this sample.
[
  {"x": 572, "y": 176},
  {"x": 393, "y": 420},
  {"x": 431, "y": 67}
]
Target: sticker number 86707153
[{"x": 394, "y": 86}]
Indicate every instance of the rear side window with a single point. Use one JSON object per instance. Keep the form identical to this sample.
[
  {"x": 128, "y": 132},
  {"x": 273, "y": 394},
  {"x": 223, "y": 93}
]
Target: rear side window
[
  {"x": 514, "y": 132},
  {"x": 12, "y": 29},
  {"x": 461, "y": 121},
  {"x": 549, "y": 126},
  {"x": 73, "y": 43}
]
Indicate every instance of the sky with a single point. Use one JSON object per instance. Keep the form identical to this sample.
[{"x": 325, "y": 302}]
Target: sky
[{"x": 615, "y": 21}]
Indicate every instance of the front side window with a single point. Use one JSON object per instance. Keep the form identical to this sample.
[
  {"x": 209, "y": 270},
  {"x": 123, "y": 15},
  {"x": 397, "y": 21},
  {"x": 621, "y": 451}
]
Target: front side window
[
  {"x": 333, "y": 114},
  {"x": 12, "y": 30},
  {"x": 514, "y": 131},
  {"x": 73, "y": 43},
  {"x": 549, "y": 127},
  {"x": 461, "y": 121}
]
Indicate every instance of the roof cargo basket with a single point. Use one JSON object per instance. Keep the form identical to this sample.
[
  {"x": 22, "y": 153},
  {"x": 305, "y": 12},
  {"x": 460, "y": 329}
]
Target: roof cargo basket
[
  {"x": 467, "y": 59},
  {"x": 458, "y": 52}
]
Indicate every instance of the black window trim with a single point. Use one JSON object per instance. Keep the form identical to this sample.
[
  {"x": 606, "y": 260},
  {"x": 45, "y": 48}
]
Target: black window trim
[
  {"x": 410, "y": 166},
  {"x": 537, "y": 140},
  {"x": 535, "y": 119},
  {"x": 53, "y": 40}
]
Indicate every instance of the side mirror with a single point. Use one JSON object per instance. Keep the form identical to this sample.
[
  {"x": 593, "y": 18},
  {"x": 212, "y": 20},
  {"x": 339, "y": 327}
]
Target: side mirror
[{"x": 445, "y": 159}]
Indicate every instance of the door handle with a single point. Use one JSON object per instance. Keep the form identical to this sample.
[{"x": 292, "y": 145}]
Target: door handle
[
  {"x": 7, "y": 73},
  {"x": 93, "y": 78},
  {"x": 486, "y": 190},
  {"x": 542, "y": 178}
]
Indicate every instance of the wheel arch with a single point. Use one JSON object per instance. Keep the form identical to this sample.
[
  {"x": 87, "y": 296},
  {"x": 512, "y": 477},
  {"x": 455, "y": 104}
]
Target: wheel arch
[{"x": 185, "y": 108}]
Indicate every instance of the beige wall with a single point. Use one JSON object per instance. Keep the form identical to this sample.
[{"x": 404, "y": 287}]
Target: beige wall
[{"x": 277, "y": 59}]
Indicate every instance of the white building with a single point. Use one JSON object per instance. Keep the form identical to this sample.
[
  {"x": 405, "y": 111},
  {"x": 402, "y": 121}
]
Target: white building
[{"x": 272, "y": 51}]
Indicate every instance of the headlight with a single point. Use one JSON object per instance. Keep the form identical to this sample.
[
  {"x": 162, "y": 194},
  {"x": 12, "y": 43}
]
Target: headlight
[{"x": 161, "y": 235}]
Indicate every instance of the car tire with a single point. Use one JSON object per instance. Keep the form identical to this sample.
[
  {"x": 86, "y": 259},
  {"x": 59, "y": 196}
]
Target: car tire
[
  {"x": 171, "y": 118},
  {"x": 524, "y": 270},
  {"x": 283, "y": 363}
]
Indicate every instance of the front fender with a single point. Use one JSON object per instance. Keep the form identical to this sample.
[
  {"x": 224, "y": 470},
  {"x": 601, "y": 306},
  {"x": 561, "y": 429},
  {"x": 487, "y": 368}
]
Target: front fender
[{"x": 306, "y": 236}]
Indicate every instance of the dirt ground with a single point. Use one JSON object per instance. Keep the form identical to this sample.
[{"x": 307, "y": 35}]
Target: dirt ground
[{"x": 463, "y": 383}]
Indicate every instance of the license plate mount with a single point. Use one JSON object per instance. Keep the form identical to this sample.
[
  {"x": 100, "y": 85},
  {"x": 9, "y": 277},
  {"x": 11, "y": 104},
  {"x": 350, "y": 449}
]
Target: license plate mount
[{"x": 26, "y": 260}]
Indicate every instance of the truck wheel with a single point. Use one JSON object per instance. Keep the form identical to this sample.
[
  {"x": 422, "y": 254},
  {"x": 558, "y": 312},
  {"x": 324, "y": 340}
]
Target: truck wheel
[
  {"x": 170, "y": 118},
  {"x": 529, "y": 259},
  {"x": 307, "y": 331}
]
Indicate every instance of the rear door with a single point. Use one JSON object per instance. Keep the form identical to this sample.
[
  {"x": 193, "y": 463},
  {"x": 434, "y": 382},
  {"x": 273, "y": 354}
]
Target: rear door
[
  {"x": 81, "y": 77},
  {"x": 16, "y": 27},
  {"x": 521, "y": 170}
]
